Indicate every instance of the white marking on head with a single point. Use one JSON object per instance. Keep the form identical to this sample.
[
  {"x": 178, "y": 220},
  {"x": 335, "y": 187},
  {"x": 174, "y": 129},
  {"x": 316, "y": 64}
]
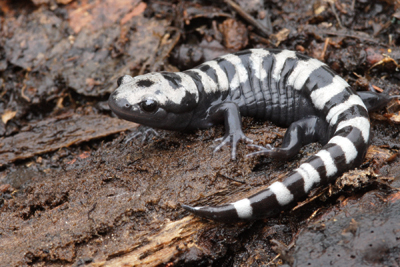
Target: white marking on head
[
  {"x": 302, "y": 72},
  {"x": 310, "y": 176},
  {"x": 280, "y": 60},
  {"x": 282, "y": 193},
  {"x": 160, "y": 89},
  {"x": 360, "y": 123},
  {"x": 243, "y": 208},
  {"x": 257, "y": 57},
  {"x": 322, "y": 95},
  {"x": 326, "y": 158},
  {"x": 223, "y": 82},
  {"x": 240, "y": 71},
  {"x": 348, "y": 147},
  {"x": 127, "y": 79},
  {"x": 334, "y": 112}
]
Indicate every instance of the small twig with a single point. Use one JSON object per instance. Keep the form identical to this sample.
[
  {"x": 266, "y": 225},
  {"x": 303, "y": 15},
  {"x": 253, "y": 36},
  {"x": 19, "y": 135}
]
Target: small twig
[
  {"x": 90, "y": 211},
  {"x": 313, "y": 214},
  {"x": 322, "y": 56},
  {"x": 380, "y": 90},
  {"x": 24, "y": 96},
  {"x": 3, "y": 90},
  {"x": 309, "y": 200},
  {"x": 352, "y": 36},
  {"x": 274, "y": 259},
  {"x": 336, "y": 15},
  {"x": 249, "y": 18},
  {"x": 145, "y": 64},
  {"x": 229, "y": 178},
  {"x": 385, "y": 60}
]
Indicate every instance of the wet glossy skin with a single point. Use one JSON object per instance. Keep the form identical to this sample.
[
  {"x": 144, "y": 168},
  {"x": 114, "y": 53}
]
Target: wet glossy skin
[{"x": 287, "y": 88}]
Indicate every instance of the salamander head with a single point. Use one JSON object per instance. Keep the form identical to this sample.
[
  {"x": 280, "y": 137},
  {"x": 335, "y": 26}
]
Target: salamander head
[{"x": 158, "y": 100}]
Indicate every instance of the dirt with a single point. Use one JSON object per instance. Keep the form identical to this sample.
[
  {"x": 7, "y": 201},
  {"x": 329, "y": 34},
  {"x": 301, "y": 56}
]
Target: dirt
[
  {"x": 74, "y": 192},
  {"x": 358, "y": 232}
]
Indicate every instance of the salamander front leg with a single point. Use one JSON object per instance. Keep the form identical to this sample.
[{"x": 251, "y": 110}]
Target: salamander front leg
[
  {"x": 233, "y": 127},
  {"x": 302, "y": 132},
  {"x": 143, "y": 132}
]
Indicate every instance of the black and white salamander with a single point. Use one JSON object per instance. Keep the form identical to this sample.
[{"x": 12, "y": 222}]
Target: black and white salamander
[{"x": 282, "y": 86}]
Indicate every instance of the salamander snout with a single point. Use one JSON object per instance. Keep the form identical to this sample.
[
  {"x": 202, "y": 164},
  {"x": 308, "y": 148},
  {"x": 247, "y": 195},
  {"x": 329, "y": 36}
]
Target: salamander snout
[{"x": 120, "y": 105}]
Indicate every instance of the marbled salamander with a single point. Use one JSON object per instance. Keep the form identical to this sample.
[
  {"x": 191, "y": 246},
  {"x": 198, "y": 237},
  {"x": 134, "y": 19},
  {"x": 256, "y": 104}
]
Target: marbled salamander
[{"x": 285, "y": 87}]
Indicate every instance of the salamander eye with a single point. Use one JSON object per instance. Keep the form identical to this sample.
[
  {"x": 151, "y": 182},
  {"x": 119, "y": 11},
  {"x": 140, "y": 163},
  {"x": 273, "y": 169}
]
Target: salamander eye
[{"x": 149, "y": 105}]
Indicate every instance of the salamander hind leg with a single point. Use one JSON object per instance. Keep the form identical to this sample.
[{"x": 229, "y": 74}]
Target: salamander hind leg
[{"x": 302, "y": 132}]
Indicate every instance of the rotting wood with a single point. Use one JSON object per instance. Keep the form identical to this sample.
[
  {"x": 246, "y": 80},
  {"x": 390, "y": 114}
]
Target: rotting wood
[{"x": 173, "y": 239}]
